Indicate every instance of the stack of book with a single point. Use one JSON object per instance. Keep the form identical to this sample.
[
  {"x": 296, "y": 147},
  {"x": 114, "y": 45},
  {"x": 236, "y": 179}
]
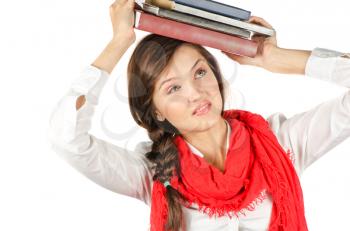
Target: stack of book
[{"x": 203, "y": 22}]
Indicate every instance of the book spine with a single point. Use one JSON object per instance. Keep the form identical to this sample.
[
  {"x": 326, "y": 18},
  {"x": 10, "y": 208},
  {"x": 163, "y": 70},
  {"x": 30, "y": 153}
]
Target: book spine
[
  {"x": 202, "y": 22},
  {"x": 217, "y": 8},
  {"x": 185, "y": 32},
  {"x": 222, "y": 19}
]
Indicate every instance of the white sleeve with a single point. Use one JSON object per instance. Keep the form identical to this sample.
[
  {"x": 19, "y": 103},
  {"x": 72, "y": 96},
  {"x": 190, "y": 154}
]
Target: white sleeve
[
  {"x": 311, "y": 134},
  {"x": 120, "y": 170}
]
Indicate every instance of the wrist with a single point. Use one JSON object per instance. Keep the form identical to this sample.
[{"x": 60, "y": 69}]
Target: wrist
[
  {"x": 111, "y": 54},
  {"x": 123, "y": 39},
  {"x": 270, "y": 61},
  {"x": 286, "y": 61}
]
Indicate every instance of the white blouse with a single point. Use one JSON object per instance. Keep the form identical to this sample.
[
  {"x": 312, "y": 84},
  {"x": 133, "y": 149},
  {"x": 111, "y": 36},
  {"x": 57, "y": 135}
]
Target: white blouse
[{"x": 308, "y": 135}]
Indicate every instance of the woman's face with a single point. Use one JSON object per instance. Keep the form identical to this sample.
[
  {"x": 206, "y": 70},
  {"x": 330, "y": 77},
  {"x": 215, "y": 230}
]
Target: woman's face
[{"x": 185, "y": 84}]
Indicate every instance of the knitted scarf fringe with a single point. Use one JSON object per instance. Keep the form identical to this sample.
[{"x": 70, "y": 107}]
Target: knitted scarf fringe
[{"x": 229, "y": 210}]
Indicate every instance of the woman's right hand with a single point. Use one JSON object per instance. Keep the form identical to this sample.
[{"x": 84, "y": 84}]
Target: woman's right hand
[
  {"x": 265, "y": 47},
  {"x": 122, "y": 17}
]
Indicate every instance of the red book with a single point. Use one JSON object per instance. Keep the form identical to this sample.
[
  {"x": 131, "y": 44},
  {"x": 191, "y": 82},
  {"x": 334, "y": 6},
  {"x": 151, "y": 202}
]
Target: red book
[{"x": 193, "y": 34}]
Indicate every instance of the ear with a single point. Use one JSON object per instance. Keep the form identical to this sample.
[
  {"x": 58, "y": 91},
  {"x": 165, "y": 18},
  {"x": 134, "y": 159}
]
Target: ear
[{"x": 159, "y": 116}]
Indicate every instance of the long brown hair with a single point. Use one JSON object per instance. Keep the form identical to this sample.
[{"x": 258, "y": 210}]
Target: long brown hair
[{"x": 150, "y": 57}]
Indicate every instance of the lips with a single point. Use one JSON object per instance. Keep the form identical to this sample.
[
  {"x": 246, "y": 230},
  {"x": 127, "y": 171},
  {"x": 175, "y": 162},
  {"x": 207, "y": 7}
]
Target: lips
[{"x": 201, "y": 106}]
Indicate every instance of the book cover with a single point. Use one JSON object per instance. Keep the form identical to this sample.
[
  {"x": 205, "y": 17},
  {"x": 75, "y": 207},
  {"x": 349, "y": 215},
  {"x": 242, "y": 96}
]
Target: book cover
[
  {"x": 171, "y": 5},
  {"x": 193, "y": 34},
  {"x": 217, "y": 8},
  {"x": 197, "y": 21}
]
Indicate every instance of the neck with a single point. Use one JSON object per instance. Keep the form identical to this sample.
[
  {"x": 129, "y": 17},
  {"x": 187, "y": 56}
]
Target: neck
[{"x": 212, "y": 142}]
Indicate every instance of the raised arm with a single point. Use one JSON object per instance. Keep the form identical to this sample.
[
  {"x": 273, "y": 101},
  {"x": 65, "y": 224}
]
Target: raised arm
[
  {"x": 313, "y": 133},
  {"x": 122, "y": 18},
  {"x": 123, "y": 171},
  {"x": 115, "y": 168},
  {"x": 107, "y": 60}
]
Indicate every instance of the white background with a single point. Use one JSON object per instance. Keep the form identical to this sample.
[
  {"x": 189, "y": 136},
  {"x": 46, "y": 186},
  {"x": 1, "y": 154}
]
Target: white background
[{"x": 44, "y": 46}]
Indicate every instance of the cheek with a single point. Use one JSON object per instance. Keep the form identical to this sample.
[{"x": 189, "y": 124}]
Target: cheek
[
  {"x": 213, "y": 92},
  {"x": 211, "y": 87},
  {"x": 174, "y": 106}
]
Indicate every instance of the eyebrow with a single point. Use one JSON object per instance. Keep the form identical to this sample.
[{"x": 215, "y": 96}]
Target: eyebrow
[{"x": 198, "y": 60}]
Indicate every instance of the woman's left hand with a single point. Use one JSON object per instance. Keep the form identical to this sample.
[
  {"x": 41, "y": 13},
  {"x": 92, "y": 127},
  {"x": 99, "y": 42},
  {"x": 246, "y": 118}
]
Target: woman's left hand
[{"x": 265, "y": 46}]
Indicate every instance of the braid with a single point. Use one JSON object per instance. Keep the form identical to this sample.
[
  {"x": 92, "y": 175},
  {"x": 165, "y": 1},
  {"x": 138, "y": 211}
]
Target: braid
[{"x": 164, "y": 155}]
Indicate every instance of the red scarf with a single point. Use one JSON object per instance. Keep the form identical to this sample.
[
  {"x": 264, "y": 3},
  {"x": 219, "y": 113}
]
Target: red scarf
[{"x": 255, "y": 161}]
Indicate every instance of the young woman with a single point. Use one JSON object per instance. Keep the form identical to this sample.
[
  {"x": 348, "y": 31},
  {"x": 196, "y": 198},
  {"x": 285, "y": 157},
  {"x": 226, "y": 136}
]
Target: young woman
[{"x": 205, "y": 168}]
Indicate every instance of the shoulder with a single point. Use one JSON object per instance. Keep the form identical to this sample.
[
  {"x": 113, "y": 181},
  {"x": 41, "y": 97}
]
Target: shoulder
[
  {"x": 275, "y": 121},
  {"x": 143, "y": 147}
]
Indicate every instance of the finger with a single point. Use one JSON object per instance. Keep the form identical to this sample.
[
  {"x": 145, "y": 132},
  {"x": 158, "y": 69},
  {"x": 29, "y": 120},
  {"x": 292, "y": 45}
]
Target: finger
[
  {"x": 131, "y": 3},
  {"x": 256, "y": 18},
  {"x": 237, "y": 58},
  {"x": 118, "y": 2},
  {"x": 260, "y": 21}
]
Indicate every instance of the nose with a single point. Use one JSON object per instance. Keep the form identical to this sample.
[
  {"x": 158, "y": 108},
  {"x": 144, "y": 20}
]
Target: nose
[{"x": 195, "y": 92}]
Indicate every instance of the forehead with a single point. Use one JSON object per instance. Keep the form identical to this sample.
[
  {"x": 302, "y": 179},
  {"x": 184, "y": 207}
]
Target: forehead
[
  {"x": 181, "y": 62},
  {"x": 185, "y": 54}
]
